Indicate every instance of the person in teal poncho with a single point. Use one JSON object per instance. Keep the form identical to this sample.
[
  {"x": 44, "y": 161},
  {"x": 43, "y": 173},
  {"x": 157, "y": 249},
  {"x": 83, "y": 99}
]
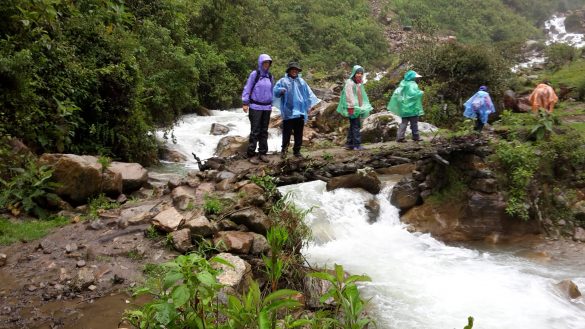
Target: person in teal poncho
[
  {"x": 479, "y": 107},
  {"x": 406, "y": 102},
  {"x": 294, "y": 98},
  {"x": 354, "y": 104}
]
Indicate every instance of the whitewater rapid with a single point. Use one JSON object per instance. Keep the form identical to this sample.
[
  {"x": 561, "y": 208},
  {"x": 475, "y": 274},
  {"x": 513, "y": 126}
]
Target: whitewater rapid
[{"x": 419, "y": 282}]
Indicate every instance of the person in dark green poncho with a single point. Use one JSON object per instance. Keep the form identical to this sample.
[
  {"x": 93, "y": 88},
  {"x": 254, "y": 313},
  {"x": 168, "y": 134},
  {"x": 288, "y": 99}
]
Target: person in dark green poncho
[
  {"x": 354, "y": 104},
  {"x": 406, "y": 102}
]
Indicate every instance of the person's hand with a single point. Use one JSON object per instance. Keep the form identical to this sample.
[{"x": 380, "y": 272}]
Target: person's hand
[
  {"x": 245, "y": 108},
  {"x": 282, "y": 91},
  {"x": 350, "y": 111}
]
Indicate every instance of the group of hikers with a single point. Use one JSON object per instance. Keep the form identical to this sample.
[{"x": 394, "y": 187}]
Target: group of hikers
[{"x": 295, "y": 100}]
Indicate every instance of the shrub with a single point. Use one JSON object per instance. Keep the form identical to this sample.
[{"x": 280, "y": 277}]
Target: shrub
[
  {"x": 559, "y": 54},
  {"x": 29, "y": 190}
]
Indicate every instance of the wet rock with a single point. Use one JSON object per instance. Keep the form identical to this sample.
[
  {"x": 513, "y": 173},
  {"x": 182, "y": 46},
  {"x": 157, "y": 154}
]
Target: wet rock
[
  {"x": 138, "y": 215},
  {"x": 579, "y": 234},
  {"x": 92, "y": 287},
  {"x": 31, "y": 287},
  {"x": 510, "y": 101},
  {"x": 64, "y": 275},
  {"x": 231, "y": 145},
  {"x": 223, "y": 175},
  {"x": 234, "y": 241},
  {"x": 80, "y": 263},
  {"x": 172, "y": 155},
  {"x": 122, "y": 198},
  {"x": 275, "y": 121},
  {"x": 182, "y": 240},
  {"x": 401, "y": 169},
  {"x": 314, "y": 288},
  {"x": 183, "y": 197},
  {"x": 168, "y": 220},
  {"x": 379, "y": 127},
  {"x": 3, "y": 260},
  {"x": 71, "y": 247},
  {"x": 327, "y": 120},
  {"x": 224, "y": 185},
  {"x": 96, "y": 225},
  {"x": 253, "y": 218},
  {"x": 203, "y": 111},
  {"x": 364, "y": 178},
  {"x": 134, "y": 176},
  {"x": 373, "y": 208},
  {"x": 225, "y": 225},
  {"x": 569, "y": 289},
  {"x": 579, "y": 211},
  {"x": 405, "y": 194},
  {"x": 85, "y": 277},
  {"x": 219, "y": 129},
  {"x": 252, "y": 195},
  {"x": 488, "y": 185},
  {"x": 259, "y": 245},
  {"x": 235, "y": 278},
  {"x": 80, "y": 177},
  {"x": 200, "y": 226}
]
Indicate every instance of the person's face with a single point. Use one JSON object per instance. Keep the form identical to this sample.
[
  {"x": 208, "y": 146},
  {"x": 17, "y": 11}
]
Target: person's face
[
  {"x": 293, "y": 72},
  {"x": 266, "y": 65},
  {"x": 359, "y": 75}
]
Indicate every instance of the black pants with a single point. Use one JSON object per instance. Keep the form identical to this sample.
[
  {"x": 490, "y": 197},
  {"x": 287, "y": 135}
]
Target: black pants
[
  {"x": 478, "y": 124},
  {"x": 293, "y": 126},
  {"x": 259, "y": 121},
  {"x": 354, "y": 138}
]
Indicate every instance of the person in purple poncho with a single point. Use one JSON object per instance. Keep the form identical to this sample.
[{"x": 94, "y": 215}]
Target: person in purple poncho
[
  {"x": 257, "y": 102},
  {"x": 479, "y": 107}
]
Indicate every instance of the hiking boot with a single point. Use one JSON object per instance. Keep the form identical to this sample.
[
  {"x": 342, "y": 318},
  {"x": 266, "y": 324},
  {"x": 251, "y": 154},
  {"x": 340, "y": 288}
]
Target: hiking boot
[
  {"x": 264, "y": 158},
  {"x": 358, "y": 148},
  {"x": 348, "y": 147},
  {"x": 254, "y": 160}
]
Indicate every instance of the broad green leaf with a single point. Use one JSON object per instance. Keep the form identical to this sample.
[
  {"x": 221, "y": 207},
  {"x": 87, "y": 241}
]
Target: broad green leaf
[{"x": 180, "y": 295}]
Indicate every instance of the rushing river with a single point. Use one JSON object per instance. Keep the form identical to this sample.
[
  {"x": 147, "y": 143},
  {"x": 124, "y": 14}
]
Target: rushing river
[{"x": 417, "y": 281}]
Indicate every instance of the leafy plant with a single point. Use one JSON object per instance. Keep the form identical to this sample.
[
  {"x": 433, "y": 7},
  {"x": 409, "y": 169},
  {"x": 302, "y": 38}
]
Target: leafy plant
[
  {"x": 349, "y": 305},
  {"x": 28, "y": 189},
  {"x": 327, "y": 156},
  {"x": 212, "y": 205},
  {"x": 98, "y": 205},
  {"x": 544, "y": 128},
  {"x": 253, "y": 311},
  {"x": 267, "y": 182},
  {"x": 184, "y": 294}
]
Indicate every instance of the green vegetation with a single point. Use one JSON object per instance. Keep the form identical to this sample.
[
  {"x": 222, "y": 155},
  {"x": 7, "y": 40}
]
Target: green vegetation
[
  {"x": 540, "y": 153},
  {"x": 29, "y": 190},
  {"x": 27, "y": 230},
  {"x": 99, "y": 76},
  {"x": 471, "y": 21},
  {"x": 99, "y": 204},
  {"x": 571, "y": 75},
  {"x": 267, "y": 182},
  {"x": 213, "y": 205},
  {"x": 347, "y": 298}
]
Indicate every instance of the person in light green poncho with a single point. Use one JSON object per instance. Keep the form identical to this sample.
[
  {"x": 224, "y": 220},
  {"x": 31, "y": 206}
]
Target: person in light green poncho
[
  {"x": 354, "y": 104},
  {"x": 406, "y": 102}
]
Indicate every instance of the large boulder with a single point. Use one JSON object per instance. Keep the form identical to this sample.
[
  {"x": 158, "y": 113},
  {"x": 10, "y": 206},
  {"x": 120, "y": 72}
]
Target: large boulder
[
  {"x": 510, "y": 100},
  {"x": 379, "y": 127},
  {"x": 253, "y": 218},
  {"x": 482, "y": 217},
  {"x": 171, "y": 155},
  {"x": 234, "y": 241},
  {"x": 231, "y": 145},
  {"x": 363, "y": 178},
  {"x": 219, "y": 129},
  {"x": 134, "y": 176},
  {"x": 405, "y": 194},
  {"x": 80, "y": 177},
  {"x": 327, "y": 119}
]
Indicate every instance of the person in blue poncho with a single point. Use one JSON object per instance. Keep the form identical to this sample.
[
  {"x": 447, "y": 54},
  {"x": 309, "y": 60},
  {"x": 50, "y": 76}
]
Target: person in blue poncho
[
  {"x": 294, "y": 98},
  {"x": 479, "y": 107}
]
